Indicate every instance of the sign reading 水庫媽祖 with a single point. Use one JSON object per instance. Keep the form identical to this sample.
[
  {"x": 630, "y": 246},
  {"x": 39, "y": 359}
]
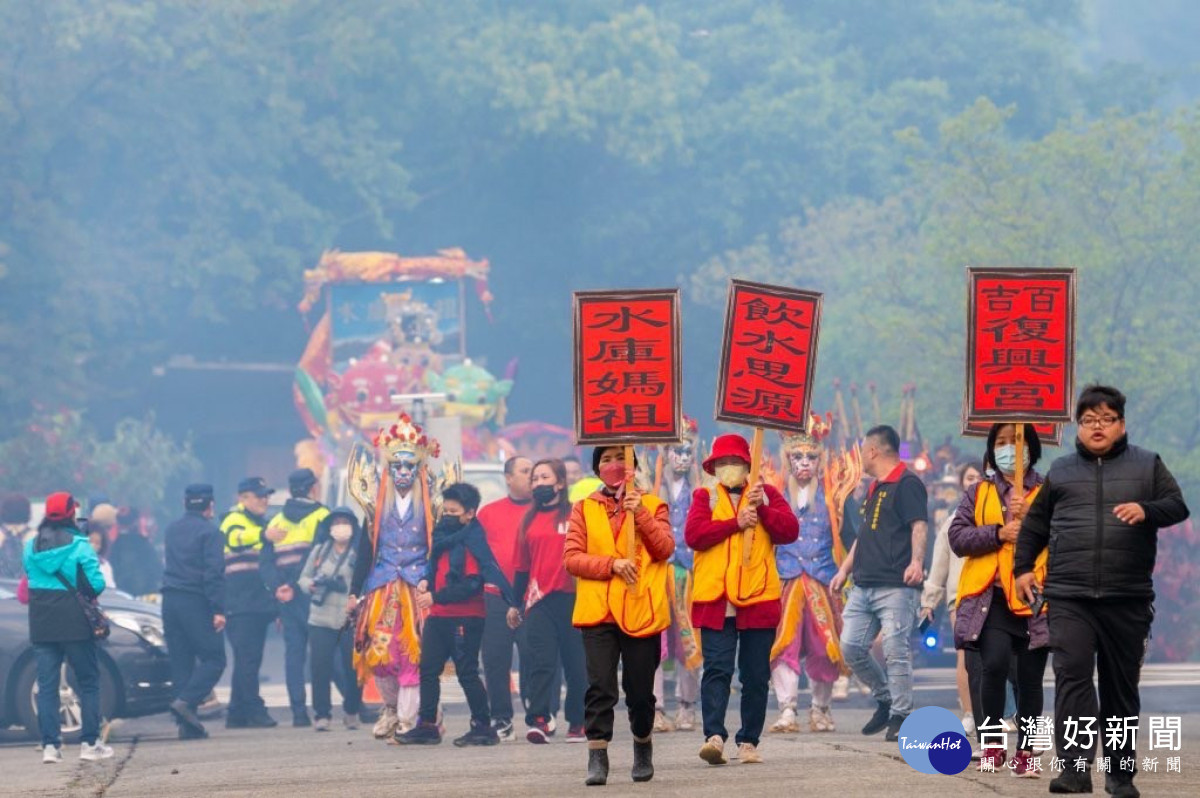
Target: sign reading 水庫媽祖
[{"x": 627, "y": 367}]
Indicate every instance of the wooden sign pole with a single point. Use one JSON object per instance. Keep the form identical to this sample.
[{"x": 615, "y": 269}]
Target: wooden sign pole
[
  {"x": 756, "y": 450},
  {"x": 628, "y": 529},
  {"x": 1019, "y": 474}
]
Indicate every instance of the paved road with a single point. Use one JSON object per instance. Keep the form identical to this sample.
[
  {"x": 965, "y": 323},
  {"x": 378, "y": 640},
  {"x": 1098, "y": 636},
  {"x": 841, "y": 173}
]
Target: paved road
[{"x": 150, "y": 763}]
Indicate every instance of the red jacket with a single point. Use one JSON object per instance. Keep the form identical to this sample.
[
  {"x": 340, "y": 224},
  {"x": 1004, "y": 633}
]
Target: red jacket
[{"x": 702, "y": 533}]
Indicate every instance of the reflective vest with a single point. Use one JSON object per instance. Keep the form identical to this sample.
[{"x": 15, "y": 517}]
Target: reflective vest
[
  {"x": 292, "y": 550},
  {"x": 722, "y": 571},
  {"x": 243, "y": 541},
  {"x": 640, "y": 610},
  {"x": 980, "y": 573}
]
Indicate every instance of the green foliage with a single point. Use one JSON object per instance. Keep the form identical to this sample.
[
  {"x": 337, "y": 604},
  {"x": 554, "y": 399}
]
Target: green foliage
[{"x": 61, "y": 452}]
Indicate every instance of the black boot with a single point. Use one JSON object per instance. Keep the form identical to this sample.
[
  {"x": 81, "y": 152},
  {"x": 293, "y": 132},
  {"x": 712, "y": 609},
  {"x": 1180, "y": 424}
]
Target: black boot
[
  {"x": 597, "y": 767},
  {"x": 879, "y": 720},
  {"x": 643, "y": 760},
  {"x": 1072, "y": 781},
  {"x": 1121, "y": 786}
]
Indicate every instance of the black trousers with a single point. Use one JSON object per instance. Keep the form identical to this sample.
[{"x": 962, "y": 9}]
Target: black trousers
[
  {"x": 329, "y": 648},
  {"x": 1004, "y": 637},
  {"x": 454, "y": 639},
  {"x": 247, "y": 635},
  {"x": 1104, "y": 635},
  {"x": 605, "y": 647},
  {"x": 196, "y": 650},
  {"x": 750, "y": 650},
  {"x": 551, "y": 637},
  {"x": 498, "y": 641}
]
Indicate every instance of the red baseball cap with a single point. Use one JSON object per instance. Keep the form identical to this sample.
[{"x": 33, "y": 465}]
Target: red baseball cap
[{"x": 61, "y": 506}]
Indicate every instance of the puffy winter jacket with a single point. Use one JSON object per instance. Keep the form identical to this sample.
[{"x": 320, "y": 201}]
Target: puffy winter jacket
[
  {"x": 1093, "y": 554},
  {"x": 54, "y": 613}
]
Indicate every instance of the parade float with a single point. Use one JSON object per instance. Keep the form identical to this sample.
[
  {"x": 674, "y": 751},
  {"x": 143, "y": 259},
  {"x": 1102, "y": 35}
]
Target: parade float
[{"x": 388, "y": 334}]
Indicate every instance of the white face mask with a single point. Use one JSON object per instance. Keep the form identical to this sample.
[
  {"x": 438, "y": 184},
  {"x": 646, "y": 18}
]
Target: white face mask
[
  {"x": 732, "y": 475},
  {"x": 341, "y": 533}
]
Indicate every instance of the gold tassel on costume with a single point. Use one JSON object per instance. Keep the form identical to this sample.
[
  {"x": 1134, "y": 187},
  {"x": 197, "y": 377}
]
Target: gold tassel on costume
[{"x": 789, "y": 621}]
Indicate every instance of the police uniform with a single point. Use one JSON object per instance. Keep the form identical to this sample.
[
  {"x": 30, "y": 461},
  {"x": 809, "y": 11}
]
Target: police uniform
[
  {"x": 281, "y": 564},
  {"x": 250, "y": 608},
  {"x": 193, "y": 594}
]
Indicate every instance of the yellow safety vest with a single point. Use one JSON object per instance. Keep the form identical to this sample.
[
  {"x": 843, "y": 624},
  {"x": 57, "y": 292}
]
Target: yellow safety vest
[
  {"x": 641, "y": 610},
  {"x": 298, "y": 536},
  {"x": 720, "y": 572},
  {"x": 980, "y": 573},
  {"x": 243, "y": 541}
]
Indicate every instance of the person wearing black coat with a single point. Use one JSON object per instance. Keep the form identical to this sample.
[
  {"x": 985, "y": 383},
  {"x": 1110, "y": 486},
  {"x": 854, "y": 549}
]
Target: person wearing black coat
[
  {"x": 193, "y": 602},
  {"x": 1099, "y": 513},
  {"x": 137, "y": 567}
]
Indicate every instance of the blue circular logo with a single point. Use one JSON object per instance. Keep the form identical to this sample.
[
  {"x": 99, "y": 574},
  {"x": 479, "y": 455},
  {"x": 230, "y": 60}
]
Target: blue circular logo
[{"x": 932, "y": 741}]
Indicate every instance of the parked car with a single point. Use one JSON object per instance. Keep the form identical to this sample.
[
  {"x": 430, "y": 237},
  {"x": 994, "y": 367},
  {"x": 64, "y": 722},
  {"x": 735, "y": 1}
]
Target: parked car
[{"x": 135, "y": 678}]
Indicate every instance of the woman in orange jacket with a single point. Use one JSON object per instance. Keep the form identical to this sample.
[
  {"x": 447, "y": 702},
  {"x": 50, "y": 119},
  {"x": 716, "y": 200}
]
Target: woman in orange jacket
[{"x": 618, "y": 544}]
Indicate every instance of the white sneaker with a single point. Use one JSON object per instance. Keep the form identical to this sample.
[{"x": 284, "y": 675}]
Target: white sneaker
[
  {"x": 94, "y": 753},
  {"x": 551, "y": 726},
  {"x": 685, "y": 719},
  {"x": 1009, "y": 726},
  {"x": 385, "y": 727},
  {"x": 51, "y": 754},
  {"x": 661, "y": 723},
  {"x": 968, "y": 722},
  {"x": 786, "y": 723}
]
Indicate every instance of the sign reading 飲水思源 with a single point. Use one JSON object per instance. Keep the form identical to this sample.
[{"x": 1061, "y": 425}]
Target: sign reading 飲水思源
[{"x": 768, "y": 357}]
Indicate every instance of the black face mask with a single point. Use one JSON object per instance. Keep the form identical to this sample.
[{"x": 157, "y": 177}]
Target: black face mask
[
  {"x": 545, "y": 494},
  {"x": 448, "y": 524}
]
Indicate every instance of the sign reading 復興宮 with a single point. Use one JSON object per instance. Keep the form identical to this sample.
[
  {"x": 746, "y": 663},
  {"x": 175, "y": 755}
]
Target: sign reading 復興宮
[
  {"x": 627, "y": 367},
  {"x": 768, "y": 356},
  {"x": 1020, "y": 346}
]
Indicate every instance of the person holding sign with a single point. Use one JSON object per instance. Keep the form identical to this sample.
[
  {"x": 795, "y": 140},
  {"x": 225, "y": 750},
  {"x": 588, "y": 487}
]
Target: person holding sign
[
  {"x": 617, "y": 547},
  {"x": 990, "y": 617},
  {"x": 887, "y": 561},
  {"x": 1098, "y": 514},
  {"x": 733, "y": 529}
]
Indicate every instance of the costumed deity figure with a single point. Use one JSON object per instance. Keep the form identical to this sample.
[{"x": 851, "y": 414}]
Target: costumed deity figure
[
  {"x": 677, "y": 475},
  {"x": 810, "y": 627},
  {"x": 391, "y": 561}
]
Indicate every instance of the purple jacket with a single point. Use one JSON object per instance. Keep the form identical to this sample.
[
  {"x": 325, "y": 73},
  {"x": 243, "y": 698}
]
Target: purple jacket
[{"x": 968, "y": 540}]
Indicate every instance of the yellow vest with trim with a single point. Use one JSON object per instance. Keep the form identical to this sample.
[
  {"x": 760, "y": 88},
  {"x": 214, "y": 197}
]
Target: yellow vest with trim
[
  {"x": 240, "y": 531},
  {"x": 640, "y": 611},
  {"x": 299, "y": 532},
  {"x": 719, "y": 571},
  {"x": 980, "y": 573}
]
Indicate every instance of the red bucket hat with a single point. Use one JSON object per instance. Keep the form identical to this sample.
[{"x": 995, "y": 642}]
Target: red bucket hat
[
  {"x": 61, "y": 506},
  {"x": 727, "y": 446}
]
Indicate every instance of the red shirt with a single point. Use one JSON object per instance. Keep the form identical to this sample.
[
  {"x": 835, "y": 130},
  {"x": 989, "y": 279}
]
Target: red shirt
[
  {"x": 501, "y": 521},
  {"x": 471, "y": 608},
  {"x": 542, "y": 557},
  {"x": 702, "y": 532}
]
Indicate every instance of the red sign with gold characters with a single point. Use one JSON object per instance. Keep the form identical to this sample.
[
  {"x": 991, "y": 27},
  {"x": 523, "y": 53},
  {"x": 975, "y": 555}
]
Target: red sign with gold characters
[
  {"x": 627, "y": 367},
  {"x": 1048, "y": 434},
  {"x": 1021, "y": 345},
  {"x": 769, "y": 356}
]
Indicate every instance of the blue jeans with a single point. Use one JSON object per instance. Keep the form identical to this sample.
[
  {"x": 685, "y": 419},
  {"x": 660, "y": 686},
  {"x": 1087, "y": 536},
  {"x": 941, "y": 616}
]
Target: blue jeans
[
  {"x": 892, "y": 611},
  {"x": 750, "y": 650},
  {"x": 82, "y": 657}
]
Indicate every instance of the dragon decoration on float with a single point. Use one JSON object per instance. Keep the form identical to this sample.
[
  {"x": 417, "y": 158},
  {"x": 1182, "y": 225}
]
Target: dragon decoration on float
[{"x": 394, "y": 326}]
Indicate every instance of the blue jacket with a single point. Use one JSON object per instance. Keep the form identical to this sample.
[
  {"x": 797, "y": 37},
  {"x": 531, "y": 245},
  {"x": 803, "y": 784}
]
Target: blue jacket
[
  {"x": 54, "y": 613},
  {"x": 812, "y": 553}
]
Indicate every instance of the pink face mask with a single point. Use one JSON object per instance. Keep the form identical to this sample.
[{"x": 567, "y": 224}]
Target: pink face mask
[{"x": 612, "y": 474}]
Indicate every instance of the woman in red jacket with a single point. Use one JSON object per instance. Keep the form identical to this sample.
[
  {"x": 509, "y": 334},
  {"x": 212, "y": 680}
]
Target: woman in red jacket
[{"x": 549, "y": 600}]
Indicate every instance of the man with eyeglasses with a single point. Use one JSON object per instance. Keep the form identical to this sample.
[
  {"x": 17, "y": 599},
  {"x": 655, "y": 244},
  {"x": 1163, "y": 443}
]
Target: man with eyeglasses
[{"x": 1099, "y": 513}]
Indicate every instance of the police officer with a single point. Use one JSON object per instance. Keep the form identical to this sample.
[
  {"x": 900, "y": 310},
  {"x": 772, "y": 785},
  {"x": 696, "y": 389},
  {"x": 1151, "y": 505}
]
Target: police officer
[
  {"x": 248, "y": 602},
  {"x": 289, "y": 538},
  {"x": 193, "y": 607}
]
